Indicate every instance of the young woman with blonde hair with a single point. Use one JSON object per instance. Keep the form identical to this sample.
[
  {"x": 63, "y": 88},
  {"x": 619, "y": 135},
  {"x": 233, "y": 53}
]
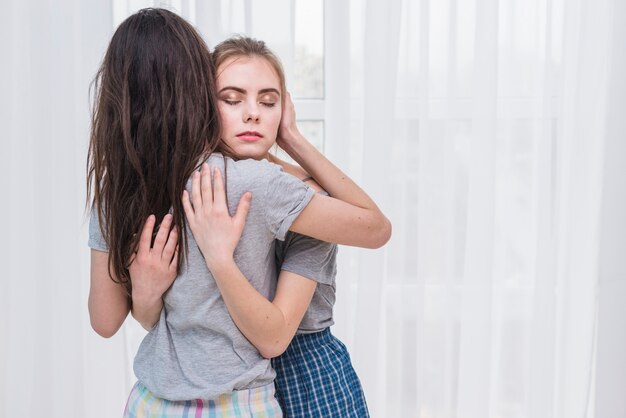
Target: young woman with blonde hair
[{"x": 314, "y": 374}]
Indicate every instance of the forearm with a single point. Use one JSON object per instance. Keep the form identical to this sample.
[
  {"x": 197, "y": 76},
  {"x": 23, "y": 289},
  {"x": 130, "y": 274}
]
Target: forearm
[
  {"x": 265, "y": 325},
  {"x": 329, "y": 176},
  {"x": 108, "y": 302},
  {"x": 107, "y": 314},
  {"x": 339, "y": 186}
]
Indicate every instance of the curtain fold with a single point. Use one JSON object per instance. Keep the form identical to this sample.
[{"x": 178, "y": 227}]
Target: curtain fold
[
  {"x": 476, "y": 355},
  {"x": 52, "y": 363},
  {"x": 583, "y": 128},
  {"x": 611, "y": 326}
]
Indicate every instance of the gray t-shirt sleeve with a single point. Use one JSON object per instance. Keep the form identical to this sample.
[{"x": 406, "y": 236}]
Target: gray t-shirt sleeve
[
  {"x": 96, "y": 240},
  {"x": 285, "y": 197},
  {"x": 308, "y": 257}
]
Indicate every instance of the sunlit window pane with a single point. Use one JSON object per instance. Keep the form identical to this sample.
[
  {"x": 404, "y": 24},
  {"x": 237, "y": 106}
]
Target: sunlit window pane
[{"x": 308, "y": 76}]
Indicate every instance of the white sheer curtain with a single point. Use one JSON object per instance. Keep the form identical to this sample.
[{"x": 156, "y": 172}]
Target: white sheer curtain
[
  {"x": 482, "y": 127},
  {"x": 492, "y": 134},
  {"x": 51, "y": 362}
]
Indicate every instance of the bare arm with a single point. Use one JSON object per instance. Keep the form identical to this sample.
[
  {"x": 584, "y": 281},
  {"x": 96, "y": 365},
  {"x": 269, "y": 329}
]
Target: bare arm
[
  {"x": 330, "y": 219},
  {"x": 108, "y": 302},
  {"x": 153, "y": 270},
  {"x": 269, "y": 326},
  {"x": 353, "y": 220}
]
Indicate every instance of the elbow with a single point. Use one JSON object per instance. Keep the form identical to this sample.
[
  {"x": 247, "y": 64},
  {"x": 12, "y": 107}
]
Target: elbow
[
  {"x": 269, "y": 351},
  {"x": 103, "y": 329},
  {"x": 105, "y": 326},
  {"x": 381, "y": 234},
  {"x": 104, "y": 320}
]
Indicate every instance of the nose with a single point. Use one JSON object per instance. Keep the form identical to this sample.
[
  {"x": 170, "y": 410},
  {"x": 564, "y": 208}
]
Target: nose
[{"x": 251, "y": 113}]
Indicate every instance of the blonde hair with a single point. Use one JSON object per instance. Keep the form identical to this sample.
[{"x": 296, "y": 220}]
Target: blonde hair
[{"x": 244, "y": 46}]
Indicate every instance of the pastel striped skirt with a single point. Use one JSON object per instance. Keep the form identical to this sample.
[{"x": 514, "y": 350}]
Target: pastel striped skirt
[
  {"x": 315, "y": 378},
  {"x": 250, "y": 403}
]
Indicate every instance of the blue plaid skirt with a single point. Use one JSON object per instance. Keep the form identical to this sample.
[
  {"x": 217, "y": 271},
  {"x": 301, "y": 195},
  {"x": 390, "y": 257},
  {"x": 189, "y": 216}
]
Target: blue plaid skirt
[{"x": 315, "y": 378}]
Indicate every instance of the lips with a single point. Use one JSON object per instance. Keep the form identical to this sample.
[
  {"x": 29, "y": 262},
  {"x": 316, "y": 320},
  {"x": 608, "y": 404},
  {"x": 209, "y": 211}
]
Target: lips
[{"x": 249, "y": 136}]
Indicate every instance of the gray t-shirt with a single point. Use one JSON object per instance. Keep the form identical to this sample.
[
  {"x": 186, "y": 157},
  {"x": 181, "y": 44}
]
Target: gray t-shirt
[
  {"x": 315, "y": 260},
  {"x": 195, "y": 351}
]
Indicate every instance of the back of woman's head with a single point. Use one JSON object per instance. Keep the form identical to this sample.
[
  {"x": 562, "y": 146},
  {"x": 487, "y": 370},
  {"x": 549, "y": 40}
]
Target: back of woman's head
[
  {"x": 154, "y": 120},
  {"x": 243, "y": 46}
]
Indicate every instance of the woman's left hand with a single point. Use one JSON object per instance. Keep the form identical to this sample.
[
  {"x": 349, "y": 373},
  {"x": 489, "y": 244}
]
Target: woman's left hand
[
  {"x": 215, "y": 231},
  {"x": 153, "y": 267},
  {"x": 288, "y": 129}
]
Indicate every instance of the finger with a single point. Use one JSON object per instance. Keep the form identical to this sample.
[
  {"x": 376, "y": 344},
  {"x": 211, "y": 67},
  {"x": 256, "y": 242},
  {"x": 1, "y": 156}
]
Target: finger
[
  {"x": 288, "y": 102},
  {"x": 189, "y": 212},
  {"x": 161, "y": 236},
  {"x": 242, "y": 210},
  {"x": 219, "y": 195},
  {"x": 146, "y": 235},
  {"x": 132, "y": 259},
  {"x": 174, "y": 263},
  {"x": 170, "y": 246},
  {"x": 207, "y": 193},
  {"x": 285, "y": 99},
  {"x": 196, "y": 195}
]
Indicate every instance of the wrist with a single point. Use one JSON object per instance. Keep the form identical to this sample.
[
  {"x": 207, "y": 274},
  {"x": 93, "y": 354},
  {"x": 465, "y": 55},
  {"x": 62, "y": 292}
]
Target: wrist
[
  {"x": 145, "y": 299},
  {"x": 303, "y": 153},
  {"x": 291, "y": 139},
  {"x": 220, "y": 263}
]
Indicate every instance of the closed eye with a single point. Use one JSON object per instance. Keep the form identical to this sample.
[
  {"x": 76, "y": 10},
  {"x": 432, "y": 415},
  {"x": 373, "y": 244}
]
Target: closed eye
[{"x": 231, "y": 102}]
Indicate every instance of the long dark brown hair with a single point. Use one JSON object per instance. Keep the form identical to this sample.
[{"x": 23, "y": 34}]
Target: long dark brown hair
[{"x": 154, "y": 120}]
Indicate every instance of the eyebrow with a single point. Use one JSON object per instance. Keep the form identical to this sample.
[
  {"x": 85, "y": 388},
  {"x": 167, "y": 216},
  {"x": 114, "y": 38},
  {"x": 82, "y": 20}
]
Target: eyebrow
[{"x": 243, "y": 91}]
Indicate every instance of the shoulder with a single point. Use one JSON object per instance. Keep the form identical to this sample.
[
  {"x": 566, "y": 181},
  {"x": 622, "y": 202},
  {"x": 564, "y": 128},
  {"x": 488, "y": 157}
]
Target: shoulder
[
  {"x": 252, "y": 166},
  {"x": 249, "y": 173},
  {"x": 294, "y": 170}
]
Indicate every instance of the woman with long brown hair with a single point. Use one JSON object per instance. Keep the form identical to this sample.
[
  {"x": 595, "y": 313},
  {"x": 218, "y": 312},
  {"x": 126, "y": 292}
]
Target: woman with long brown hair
[{"x": 154, "y": 125}]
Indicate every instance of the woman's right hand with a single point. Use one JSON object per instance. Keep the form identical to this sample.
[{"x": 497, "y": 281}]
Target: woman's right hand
[{"x": 215, "y": 231}]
